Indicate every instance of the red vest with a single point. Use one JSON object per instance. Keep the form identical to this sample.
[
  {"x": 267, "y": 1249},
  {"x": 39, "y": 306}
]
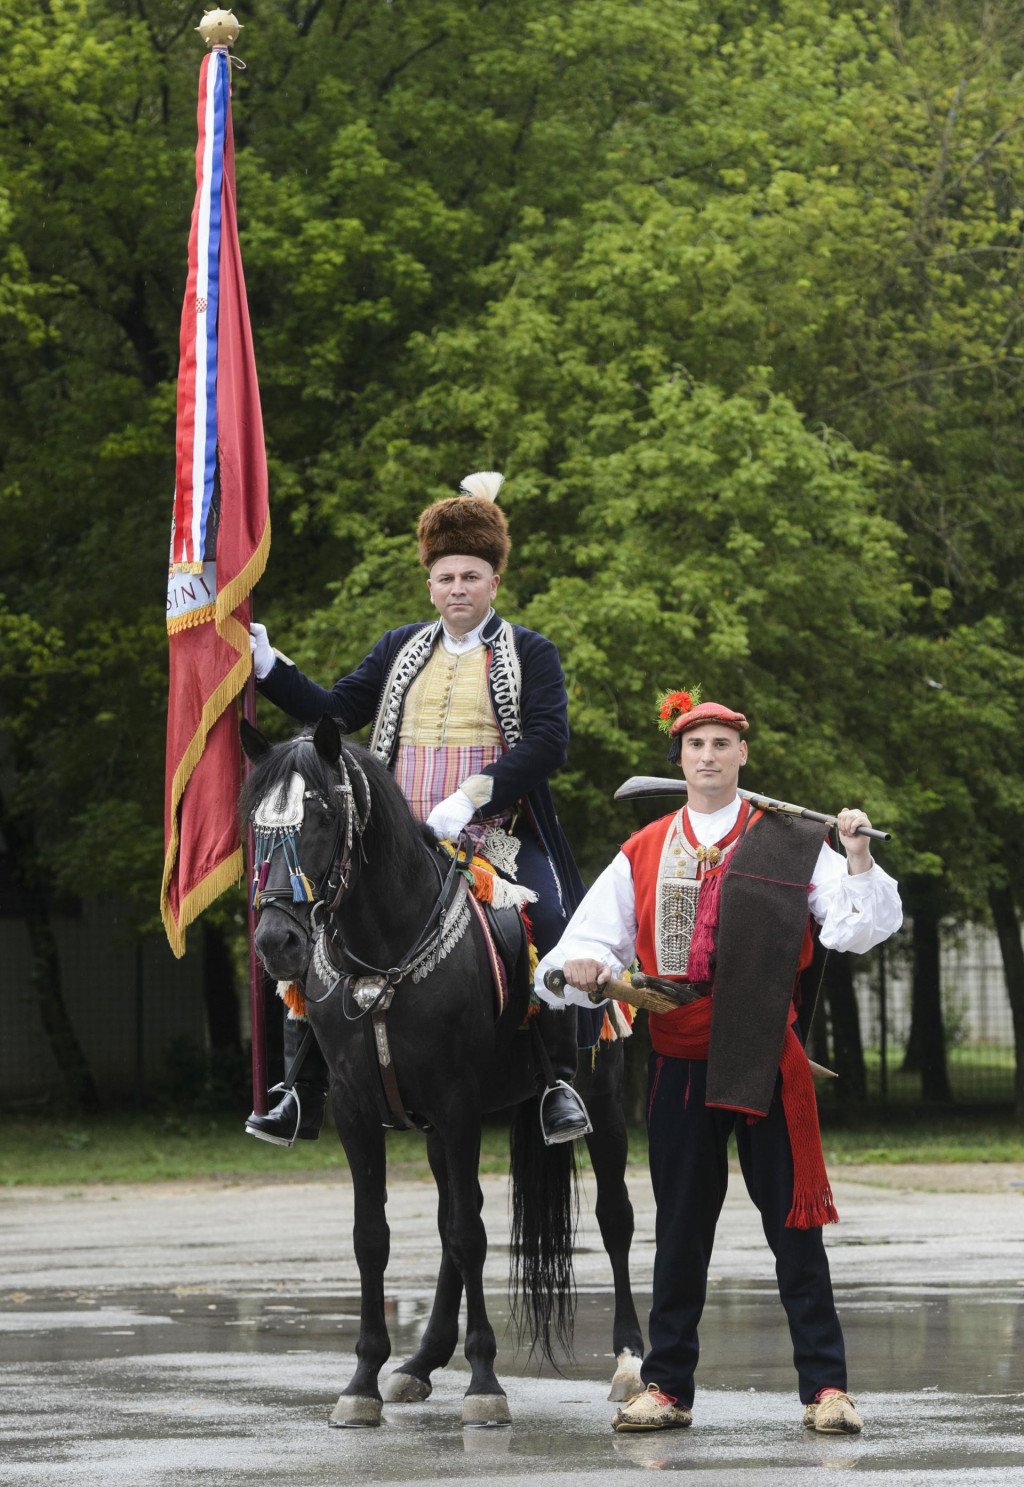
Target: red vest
[{"x": 643, "y": 850}]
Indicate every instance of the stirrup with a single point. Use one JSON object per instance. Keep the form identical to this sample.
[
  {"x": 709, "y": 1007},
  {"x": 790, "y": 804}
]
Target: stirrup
[
  {"x": 560, "y": 1139},
  {"x": 282, "y": 1090}
]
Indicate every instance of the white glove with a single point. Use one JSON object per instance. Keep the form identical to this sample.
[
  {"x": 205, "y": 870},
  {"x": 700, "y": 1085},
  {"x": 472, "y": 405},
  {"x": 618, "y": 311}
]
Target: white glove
[
  {"x": 263, "y": 656},
  {"x": 449, "y": 816}
]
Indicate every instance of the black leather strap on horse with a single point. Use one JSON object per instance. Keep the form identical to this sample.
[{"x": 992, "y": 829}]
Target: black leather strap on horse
[
  {"x": 389, "y": 1099},
  {"x": 761, "y": 925},
  {"x": 295, "y": 1067},
  {"x": 542, "y": 1056},
  {"x": 431, "y": 931},
  {"x": 378, "y": 1047}
]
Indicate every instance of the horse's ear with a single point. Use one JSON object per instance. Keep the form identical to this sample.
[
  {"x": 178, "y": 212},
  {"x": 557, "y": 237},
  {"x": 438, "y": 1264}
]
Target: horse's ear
[
  {"x": 253, "y": 742},
  {"x": 327, "y": 740}
]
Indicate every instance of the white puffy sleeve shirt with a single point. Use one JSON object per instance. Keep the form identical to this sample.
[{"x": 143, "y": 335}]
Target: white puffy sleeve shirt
[{"x": 856, "y": 912}]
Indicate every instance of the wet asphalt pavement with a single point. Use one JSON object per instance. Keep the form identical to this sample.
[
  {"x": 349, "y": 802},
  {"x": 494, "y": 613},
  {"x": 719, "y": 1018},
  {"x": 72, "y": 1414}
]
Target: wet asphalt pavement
[{"x": 201, "y": 1334}]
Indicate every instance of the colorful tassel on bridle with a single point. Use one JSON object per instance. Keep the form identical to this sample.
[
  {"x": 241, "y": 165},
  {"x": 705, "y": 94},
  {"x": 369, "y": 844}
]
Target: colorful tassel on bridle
[
  {"x": 259, "y": 881},
  {"x": 302, "y": 889}
]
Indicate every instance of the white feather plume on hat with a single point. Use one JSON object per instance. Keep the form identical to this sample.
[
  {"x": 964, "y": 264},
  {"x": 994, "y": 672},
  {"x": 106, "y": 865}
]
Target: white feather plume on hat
[{"x": 484, "y": 484}]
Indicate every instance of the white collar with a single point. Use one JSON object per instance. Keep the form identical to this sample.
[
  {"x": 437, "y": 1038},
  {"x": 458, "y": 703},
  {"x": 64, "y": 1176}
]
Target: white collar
[
  {"x": 710, "y": 826},
  {"x": 458, "y": 645}
]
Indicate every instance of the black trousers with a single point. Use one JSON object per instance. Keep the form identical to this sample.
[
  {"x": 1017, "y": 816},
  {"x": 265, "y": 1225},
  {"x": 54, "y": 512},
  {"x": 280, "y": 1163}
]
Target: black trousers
[{"x": 689, "y": 1172}]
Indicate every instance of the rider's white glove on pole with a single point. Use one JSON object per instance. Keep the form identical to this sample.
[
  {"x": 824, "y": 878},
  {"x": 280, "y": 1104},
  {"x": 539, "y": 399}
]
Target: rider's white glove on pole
[
  {"x": 449, "y": 816},
  {"x": 263, "y": 656}
]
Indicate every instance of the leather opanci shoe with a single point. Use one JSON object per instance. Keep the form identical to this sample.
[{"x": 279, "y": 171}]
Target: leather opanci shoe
[
  {"x": 652, "y": 1410},
  {"x": 832, "y": 1412}
]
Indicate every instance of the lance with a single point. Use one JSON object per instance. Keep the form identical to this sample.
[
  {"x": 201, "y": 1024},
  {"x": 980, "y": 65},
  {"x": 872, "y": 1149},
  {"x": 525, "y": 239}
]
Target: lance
[{"x": 640, "y": 785}]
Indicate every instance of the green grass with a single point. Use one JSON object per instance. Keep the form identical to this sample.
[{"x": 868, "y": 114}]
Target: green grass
[
  {"x": 977, "y": 1072},
  {"x": 947, "y": 1138},
  {"x": 154, "y": 1148}
]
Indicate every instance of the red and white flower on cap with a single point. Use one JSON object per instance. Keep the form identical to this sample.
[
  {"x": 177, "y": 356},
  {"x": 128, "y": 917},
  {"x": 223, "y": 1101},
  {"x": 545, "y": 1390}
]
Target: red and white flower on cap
[{"x": 682, "y": 710}]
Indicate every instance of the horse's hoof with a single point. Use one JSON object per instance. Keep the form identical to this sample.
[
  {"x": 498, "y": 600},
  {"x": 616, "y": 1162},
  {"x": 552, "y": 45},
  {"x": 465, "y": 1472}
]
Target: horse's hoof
[
  {"x": 406, "y": 1388},
  {"x": 626, "y": 1381},
  {"x": 486, "y": 1409},
  {"x": 353, "y": 1411}
]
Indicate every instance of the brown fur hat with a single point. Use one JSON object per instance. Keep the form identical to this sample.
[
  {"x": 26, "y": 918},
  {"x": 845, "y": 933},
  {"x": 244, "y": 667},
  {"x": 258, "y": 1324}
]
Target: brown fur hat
[{"x": 469, "y": 523}]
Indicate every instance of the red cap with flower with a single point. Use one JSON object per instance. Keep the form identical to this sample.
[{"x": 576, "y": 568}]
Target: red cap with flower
[{"x": 679, "y": 711}]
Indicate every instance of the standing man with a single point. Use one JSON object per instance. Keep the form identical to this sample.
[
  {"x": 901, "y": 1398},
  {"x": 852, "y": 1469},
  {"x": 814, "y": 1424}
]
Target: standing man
[
  {"x": 470, "y": 714},
  {"x": 722, "y": 897}
]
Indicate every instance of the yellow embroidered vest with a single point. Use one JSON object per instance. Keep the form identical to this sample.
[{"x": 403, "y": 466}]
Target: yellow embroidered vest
[{"x": 448, "y": 703}]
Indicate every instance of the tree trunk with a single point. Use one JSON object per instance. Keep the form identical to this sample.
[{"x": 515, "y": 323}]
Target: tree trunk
[
  {"x": 926, "y": 1045},
  {"x": 1004, "y": 915},
  {"x": 47, "y": 987},
  {"x": 848, "y": 1049},
  {"x": 220, "y": 991},
  {"x": 45, "y": 982}
]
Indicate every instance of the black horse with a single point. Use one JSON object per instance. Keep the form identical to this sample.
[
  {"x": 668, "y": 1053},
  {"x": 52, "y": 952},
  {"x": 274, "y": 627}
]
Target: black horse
[{"x": 362, "y": 906}]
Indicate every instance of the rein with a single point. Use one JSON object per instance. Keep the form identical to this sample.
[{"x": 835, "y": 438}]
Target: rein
[{"x": 420, "y": 951}]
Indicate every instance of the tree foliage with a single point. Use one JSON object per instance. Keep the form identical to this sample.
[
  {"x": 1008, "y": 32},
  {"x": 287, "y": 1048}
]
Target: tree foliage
[{"x": 732, "y": 294}]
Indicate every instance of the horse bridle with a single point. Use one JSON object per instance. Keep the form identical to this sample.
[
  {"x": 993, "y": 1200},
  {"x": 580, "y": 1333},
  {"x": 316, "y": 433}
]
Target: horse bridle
[
  {"x": 343, "y": 863},
  {"x": 386, "y": 979}
]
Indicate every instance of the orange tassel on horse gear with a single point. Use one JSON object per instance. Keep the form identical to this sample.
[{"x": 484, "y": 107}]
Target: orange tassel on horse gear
[
  {"x": 291, "y": 994},
  {"x": 483, "y": 883}
]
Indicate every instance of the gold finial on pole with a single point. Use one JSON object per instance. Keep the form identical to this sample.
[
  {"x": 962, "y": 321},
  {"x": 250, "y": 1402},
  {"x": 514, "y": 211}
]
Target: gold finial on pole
[{"x": 219, "y": 28}]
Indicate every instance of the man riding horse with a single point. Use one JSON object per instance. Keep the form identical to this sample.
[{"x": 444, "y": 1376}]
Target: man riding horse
[{"x": 469, "y": 713}]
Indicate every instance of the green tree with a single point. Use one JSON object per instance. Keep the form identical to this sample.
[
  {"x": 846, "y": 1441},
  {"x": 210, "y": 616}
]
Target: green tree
[{"x": 732, "y": 294}]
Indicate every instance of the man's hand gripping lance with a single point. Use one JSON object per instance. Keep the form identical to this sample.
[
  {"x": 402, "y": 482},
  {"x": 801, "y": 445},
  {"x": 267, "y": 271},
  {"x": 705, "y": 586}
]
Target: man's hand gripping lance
[
  {"x": 648, "y": 784},
  {"x": 649, "y": 992}
]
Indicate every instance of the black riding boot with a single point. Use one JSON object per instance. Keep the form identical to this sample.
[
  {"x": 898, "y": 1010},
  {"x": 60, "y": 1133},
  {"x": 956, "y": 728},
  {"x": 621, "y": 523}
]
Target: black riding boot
[
  {"x": 299, "y": 1112},
  {"x": 563, "y": 1115}
]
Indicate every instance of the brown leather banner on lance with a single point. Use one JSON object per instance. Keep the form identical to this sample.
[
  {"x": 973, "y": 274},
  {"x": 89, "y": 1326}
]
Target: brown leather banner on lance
[{"x": 640, "y": 785}]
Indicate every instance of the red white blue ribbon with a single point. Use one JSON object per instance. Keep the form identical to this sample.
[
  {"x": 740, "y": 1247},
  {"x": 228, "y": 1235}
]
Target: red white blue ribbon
[{"x": 196, "y": 463}]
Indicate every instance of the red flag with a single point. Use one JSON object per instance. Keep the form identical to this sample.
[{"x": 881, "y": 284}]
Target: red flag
[{"x": 220, "y": 536}]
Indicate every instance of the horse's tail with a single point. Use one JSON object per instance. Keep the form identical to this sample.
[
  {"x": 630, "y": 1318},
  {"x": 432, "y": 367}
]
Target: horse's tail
[{"x": 544, "y": 1205}]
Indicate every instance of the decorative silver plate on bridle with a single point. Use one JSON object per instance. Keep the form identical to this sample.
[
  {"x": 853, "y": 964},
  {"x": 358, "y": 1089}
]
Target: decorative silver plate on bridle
[{"x": 366, "y": 990}]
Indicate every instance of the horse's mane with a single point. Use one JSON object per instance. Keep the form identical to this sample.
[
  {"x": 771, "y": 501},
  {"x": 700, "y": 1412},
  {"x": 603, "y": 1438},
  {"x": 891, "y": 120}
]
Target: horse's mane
[{"x": 393, "y": 829}]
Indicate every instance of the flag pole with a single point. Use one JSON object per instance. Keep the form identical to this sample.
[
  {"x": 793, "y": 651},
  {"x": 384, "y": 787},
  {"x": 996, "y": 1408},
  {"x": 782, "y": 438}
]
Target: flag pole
[
  {"x": 258, "y": 1037},
  {"x": 220, "y": 28}
]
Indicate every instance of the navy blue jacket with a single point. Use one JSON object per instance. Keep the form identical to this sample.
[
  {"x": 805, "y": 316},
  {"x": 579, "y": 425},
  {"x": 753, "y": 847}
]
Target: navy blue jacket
[{"x": 527, "y": 690}]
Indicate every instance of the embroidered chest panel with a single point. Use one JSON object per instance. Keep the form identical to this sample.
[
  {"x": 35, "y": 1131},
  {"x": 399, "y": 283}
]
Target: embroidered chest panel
[
  {"x": 448, "y": 703},
  {"x": 676, "y": 894}
]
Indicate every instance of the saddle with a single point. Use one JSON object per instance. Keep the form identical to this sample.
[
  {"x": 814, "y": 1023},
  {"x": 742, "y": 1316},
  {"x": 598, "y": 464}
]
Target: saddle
[
  {"x": 508, "y": 950},
  {"x": 500, "y": 908}
]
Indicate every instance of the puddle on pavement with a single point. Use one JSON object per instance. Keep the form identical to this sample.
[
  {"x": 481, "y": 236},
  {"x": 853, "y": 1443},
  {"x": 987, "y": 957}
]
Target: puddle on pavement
[
  {"x": 193, "y": 1386},
  {"x": 923, "y": 1338}
]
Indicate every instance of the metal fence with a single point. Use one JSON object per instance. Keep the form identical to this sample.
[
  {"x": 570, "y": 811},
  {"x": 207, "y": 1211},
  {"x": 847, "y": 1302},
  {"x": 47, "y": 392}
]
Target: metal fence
[{"x": 976, "y": 1017}]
